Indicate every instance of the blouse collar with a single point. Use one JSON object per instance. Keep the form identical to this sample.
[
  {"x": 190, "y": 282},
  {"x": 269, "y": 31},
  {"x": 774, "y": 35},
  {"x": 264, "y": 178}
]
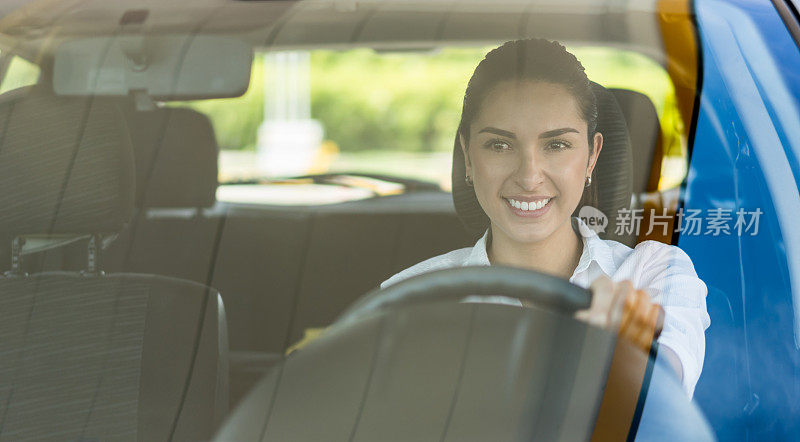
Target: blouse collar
[{"x": 594, "y": 250}]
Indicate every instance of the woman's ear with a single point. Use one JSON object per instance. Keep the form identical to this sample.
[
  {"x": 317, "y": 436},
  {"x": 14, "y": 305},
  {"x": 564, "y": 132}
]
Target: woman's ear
[
  {"x": 465, "y": 151},
  {"x": 597, "y": 143}
]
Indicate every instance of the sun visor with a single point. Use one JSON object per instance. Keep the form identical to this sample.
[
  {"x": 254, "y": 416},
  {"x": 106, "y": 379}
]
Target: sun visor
[{"x": 165, "y": 67}]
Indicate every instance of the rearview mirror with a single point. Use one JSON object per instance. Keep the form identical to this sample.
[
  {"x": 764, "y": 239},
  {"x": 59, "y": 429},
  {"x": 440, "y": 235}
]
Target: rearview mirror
[{"x": 169, "y": 67}]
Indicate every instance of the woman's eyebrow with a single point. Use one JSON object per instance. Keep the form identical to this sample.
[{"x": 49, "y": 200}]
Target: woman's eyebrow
[
  {"x": 557, "y": 132},
  {"x": 501, "y": 132}
]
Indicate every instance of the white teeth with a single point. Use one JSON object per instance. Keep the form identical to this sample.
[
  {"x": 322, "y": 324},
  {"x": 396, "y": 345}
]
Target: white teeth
[{"x": 530, "y": 206}]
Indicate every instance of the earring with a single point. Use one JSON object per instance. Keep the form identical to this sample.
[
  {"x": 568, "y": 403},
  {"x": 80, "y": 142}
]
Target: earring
[
  {"x": 588, "y": 181},
  {"x": 468, "y": 180}
]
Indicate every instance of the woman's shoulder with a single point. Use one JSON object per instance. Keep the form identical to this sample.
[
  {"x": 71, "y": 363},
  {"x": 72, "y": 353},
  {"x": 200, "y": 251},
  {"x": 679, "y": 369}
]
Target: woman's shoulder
[
  {"x": 653, "y": 261},
  {"x": 455, "y": 258},
  {"x": 667, "y": 252},
  {"x": 647, "y": 253}
]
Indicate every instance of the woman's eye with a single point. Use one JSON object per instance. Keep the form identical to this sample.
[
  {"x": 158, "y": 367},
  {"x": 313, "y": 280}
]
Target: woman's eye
[
  {"x": 558, "y": 145},
  {"x": 498, "y": 145}
]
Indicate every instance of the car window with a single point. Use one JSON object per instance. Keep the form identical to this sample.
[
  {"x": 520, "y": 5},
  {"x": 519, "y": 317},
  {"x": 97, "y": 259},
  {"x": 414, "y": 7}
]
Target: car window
[
  {"x": 20, "y": 73},
  {"x": 383, "y": 113}
]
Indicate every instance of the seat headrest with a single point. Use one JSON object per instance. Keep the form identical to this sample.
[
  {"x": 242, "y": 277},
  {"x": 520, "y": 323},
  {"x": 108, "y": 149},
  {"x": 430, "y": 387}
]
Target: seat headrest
[
  {"x": 612, "y": 173},
  {"x": 614, "y": 169},
  {"x": 644, "y": 130},
  {"x": 66, "y": 166},
  {"x": 176, "y": 157}
]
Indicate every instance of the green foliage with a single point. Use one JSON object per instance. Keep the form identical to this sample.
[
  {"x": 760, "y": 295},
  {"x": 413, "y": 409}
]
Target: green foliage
[
  {"x": 614, "y": 68},
  {"x": 390, "y": 101}
]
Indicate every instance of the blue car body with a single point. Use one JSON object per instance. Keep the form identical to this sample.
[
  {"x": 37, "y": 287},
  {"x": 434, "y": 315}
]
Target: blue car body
[{"x": 746, "y": 155}]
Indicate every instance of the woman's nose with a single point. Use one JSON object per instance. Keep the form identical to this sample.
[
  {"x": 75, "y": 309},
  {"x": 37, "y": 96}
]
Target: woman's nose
[{"x": 529, "y": 173}]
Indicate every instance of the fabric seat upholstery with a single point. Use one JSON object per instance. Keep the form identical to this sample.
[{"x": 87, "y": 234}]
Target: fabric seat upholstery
[
  {"x": 170, "y": 234},
  {"x": 644, "y": 130},
  {"x": 88, "y": 355}
]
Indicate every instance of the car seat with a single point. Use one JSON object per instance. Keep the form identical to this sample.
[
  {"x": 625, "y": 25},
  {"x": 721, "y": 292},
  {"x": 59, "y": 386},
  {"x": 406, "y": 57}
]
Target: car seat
[{"x": 86, "y": 355}]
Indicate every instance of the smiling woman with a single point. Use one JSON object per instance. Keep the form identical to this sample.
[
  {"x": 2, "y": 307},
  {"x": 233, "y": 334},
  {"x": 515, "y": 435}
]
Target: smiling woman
[
  {"x": 536, "y": 165},
  {"x": 530, "y": 144}
]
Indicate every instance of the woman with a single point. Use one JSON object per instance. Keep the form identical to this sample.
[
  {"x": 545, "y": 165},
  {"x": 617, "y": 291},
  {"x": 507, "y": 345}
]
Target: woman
[{"x": 528, "y": 139}]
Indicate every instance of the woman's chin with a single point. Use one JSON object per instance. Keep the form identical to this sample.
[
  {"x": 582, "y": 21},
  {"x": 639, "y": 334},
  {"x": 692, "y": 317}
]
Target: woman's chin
[
  {"x": 527, "y": 234},
  {"x": 530, "y": 231}
]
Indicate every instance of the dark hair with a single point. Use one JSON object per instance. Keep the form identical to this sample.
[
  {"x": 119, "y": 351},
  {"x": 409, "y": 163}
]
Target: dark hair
[{"x": 532, "y": 59}]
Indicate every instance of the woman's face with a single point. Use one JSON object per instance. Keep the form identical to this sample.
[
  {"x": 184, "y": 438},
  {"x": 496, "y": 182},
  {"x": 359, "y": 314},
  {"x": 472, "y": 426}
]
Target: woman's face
[{"x": 528, "y": 157}]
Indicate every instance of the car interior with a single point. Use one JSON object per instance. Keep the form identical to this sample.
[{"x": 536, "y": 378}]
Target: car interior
[
  {"x": 157, "y": 307},
  {"x": 98, "y": 349}
]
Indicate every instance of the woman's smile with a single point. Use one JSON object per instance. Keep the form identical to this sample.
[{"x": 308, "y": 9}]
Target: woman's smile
[{"x": 534, "y": 207}]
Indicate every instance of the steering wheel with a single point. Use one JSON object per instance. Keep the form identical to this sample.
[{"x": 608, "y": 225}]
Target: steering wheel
[
  {"x": 546, "y": 291},
  {"x": 402, "y": 382}
]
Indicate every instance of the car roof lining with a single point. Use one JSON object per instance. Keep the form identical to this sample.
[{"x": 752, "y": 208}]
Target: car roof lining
[{"x": 34, "y": 31}]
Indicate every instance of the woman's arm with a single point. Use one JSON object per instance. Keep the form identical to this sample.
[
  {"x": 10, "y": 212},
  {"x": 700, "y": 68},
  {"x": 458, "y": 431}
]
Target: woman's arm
[
  {"x": 672, "y": 357},
  {"x": 631, "y": 313},
  {"x": 637, "y": 319}
]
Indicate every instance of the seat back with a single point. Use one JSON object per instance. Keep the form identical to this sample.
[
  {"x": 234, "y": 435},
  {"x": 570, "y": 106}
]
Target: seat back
[
  {"x": 168, "y": 140},
  {"x": 286, "y": 270},
  {"x": 644, "y": 130},
  {"x": 129, "y": 357},
  {"x": 172, "y": 232},
  {"x": 283, "y": 269},
  {"x": 353, "y": 247},
  {"x": 88, "y": 355}
]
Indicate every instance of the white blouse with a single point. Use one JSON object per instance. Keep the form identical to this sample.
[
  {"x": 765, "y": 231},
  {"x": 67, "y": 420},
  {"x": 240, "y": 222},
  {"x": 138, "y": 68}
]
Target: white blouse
[{"x": 664, "y": 271}]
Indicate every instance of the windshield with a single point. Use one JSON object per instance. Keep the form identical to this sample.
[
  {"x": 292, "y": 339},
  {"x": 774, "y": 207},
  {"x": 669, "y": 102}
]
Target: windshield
[{"x": 199, "y": 195}]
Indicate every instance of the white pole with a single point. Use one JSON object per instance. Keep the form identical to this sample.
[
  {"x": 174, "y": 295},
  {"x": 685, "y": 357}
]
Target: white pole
[{"x": 288, "y": 138}]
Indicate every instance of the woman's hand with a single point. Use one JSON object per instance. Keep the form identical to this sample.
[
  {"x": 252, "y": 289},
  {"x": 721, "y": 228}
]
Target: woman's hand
[{"x": 617, "y": 306}]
